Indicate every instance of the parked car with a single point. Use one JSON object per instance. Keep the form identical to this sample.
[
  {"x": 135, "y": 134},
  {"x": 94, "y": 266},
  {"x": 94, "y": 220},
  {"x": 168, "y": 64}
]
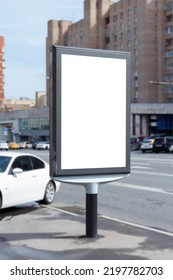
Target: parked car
[
  {"x": 4, "y": 145},
  {"x": 162, "y": 144},
  {"x": 171, "y": 149},
  {"x": 29, "y": 145},
  {"x": 34, "y": 145},
  {"x": 147, "y": 145},
  {"x": 25, "y": 178},
  {"x": 13, "y": 146},
  {"x": 42, "y": 146},
  {"x": 135, "y": 143},
  {"x": 22, "y": 145}
]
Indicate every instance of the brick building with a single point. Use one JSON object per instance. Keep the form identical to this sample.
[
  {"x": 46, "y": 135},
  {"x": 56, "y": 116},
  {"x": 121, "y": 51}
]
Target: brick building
[
  {"x": 143, "y": 28},
  {"x": 1, "y": 72}
]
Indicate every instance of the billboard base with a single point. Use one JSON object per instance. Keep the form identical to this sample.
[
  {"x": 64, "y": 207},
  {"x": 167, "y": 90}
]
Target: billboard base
[{"x": 91, "y": 184}]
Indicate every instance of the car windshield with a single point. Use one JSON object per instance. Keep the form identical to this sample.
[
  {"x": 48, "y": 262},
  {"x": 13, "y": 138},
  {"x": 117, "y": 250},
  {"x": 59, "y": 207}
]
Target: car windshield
[
  {"x": 4, "y": 161},
  {"x": 159, "y": 140},
  {"x": 148, "y": 140}
]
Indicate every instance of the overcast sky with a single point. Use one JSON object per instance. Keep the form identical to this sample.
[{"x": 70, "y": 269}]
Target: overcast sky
[{"x": 24, "y": 26}]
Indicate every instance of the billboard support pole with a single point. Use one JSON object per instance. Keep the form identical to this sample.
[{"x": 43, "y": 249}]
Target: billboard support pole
[{"x": 91, "y": 209}]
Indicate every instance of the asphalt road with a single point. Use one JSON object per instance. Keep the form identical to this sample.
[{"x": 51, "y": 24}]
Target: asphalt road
[
  {"x": 134, "y": 218},
  {"x": 144, "y": 198}
]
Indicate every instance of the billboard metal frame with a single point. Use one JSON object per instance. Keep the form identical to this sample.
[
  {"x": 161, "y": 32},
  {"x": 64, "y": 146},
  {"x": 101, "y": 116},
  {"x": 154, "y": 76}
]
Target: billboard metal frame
[{"x": 75, "y": 174}]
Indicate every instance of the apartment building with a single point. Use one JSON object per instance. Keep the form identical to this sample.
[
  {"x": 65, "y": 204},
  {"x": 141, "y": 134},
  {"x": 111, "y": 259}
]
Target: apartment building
[
  {"x": 143, "y": 28},
  {"x": 1, "y": 72}
]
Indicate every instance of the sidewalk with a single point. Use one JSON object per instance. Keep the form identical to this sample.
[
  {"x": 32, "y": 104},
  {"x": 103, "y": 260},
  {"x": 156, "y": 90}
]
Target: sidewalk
[{"x": 47, "y": 233}]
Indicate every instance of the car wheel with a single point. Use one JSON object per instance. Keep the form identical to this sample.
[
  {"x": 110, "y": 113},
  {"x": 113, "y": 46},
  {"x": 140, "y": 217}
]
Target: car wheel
[
  {"x": 49, "y": 193},
  {"x": 143, "y": 151}
]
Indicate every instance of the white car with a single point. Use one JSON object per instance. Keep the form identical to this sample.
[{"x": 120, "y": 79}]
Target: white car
[
  {"x": 4, "y": 145},
  {"x": 22, "y": 145},
  {"x": 25, "y": 178},
  {"x": 42, "y": 146},
  {"x": 171, "y": 149},
  {"x": 147, "y": 145}
]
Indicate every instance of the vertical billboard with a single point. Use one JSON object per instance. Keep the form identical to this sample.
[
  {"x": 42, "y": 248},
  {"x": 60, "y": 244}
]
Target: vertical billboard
[{"x": 89, "y": 112}]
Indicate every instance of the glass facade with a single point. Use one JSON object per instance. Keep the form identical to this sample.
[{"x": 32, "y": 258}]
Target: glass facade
[{"x": 33, "y": 124}]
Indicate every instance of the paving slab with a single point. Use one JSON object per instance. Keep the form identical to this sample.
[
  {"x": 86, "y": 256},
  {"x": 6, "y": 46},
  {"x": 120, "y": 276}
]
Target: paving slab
[{"x": 48, "y": 233}]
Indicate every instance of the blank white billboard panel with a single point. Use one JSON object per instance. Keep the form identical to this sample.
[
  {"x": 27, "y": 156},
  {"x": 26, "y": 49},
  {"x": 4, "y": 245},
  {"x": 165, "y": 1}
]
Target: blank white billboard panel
[{"x": 93, "y": 112}]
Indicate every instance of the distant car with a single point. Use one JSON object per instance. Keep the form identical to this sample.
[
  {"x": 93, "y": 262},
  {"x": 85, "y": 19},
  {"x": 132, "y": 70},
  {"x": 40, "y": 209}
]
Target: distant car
[
  {"x": 4, "y": 145},
  {"x": 42, "y": 146},
  {"x": 162, "y": 144},
  {"x": 29, "y": 145},
  {"x": 34, "y": 145},
  {"x": 171, "y": 149},
  {"x": 147, "y": 145},
  {"x": 22, "y": 145},
  {"x": 13, "y": 146},
  {"x": 135, "y": 143},
  {"x": 25, "y": 178}
]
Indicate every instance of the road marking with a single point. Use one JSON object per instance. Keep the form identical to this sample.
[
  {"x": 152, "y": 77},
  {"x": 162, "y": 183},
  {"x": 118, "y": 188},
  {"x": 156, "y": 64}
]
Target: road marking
[
  {"x": 153, "y": 159},
  {"x": 141, "y": 167},
  {"x": 140, "y": 188},
  {"x": 153, "y": 173},
  {"x": 138, "y": 226},
  {"x": 114, "y": 220},
  {"x": 60, "y": 210}
]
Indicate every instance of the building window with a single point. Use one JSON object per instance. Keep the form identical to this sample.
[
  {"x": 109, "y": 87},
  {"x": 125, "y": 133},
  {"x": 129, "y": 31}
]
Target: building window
[
  {"x": 121, "y": 25},
  {"x": 136, "y": 73},
  {"x": 107, "y": 31},
  {"x": 169, "y": 88},
  {"x": 34, "y": 124},
  {"x": 128, "y": 12},
  {"x": 169, "y": 17},
  {"x": 129, "y": 44},
  {"x": 169, "y": 65},
  {"x": 169, "y": 29},
  {"x": 121, "y": 36},
  {"x": 107, "y": 40},
  {"x": 135, "y": 30},
  {"x": 136, "y": 41},
  {"x": 136, "y": 62},
  {"x": 128, "y": 33},
  {"x": 128, "y": 23},
  {"x": 136, "y": 83},
  {"x": 115, "y": 38},
  {"x": 136, "y": 20},
  {"x": 135, "y": 51},
  {"x": 115, "y": 18},
  {"x": 169, "y": 53},
  {"x": 169, "y": 77},
  {"x": 114, "y": 28},
  {"x": 121, "y": 15},
  {"x": 168, "y": 42},
  {"x": 168, "y": 6},
  {"x": 136, "y": 93},
  {"x": 81, "y": 34},
  {"x": 107, "y": 20}
]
